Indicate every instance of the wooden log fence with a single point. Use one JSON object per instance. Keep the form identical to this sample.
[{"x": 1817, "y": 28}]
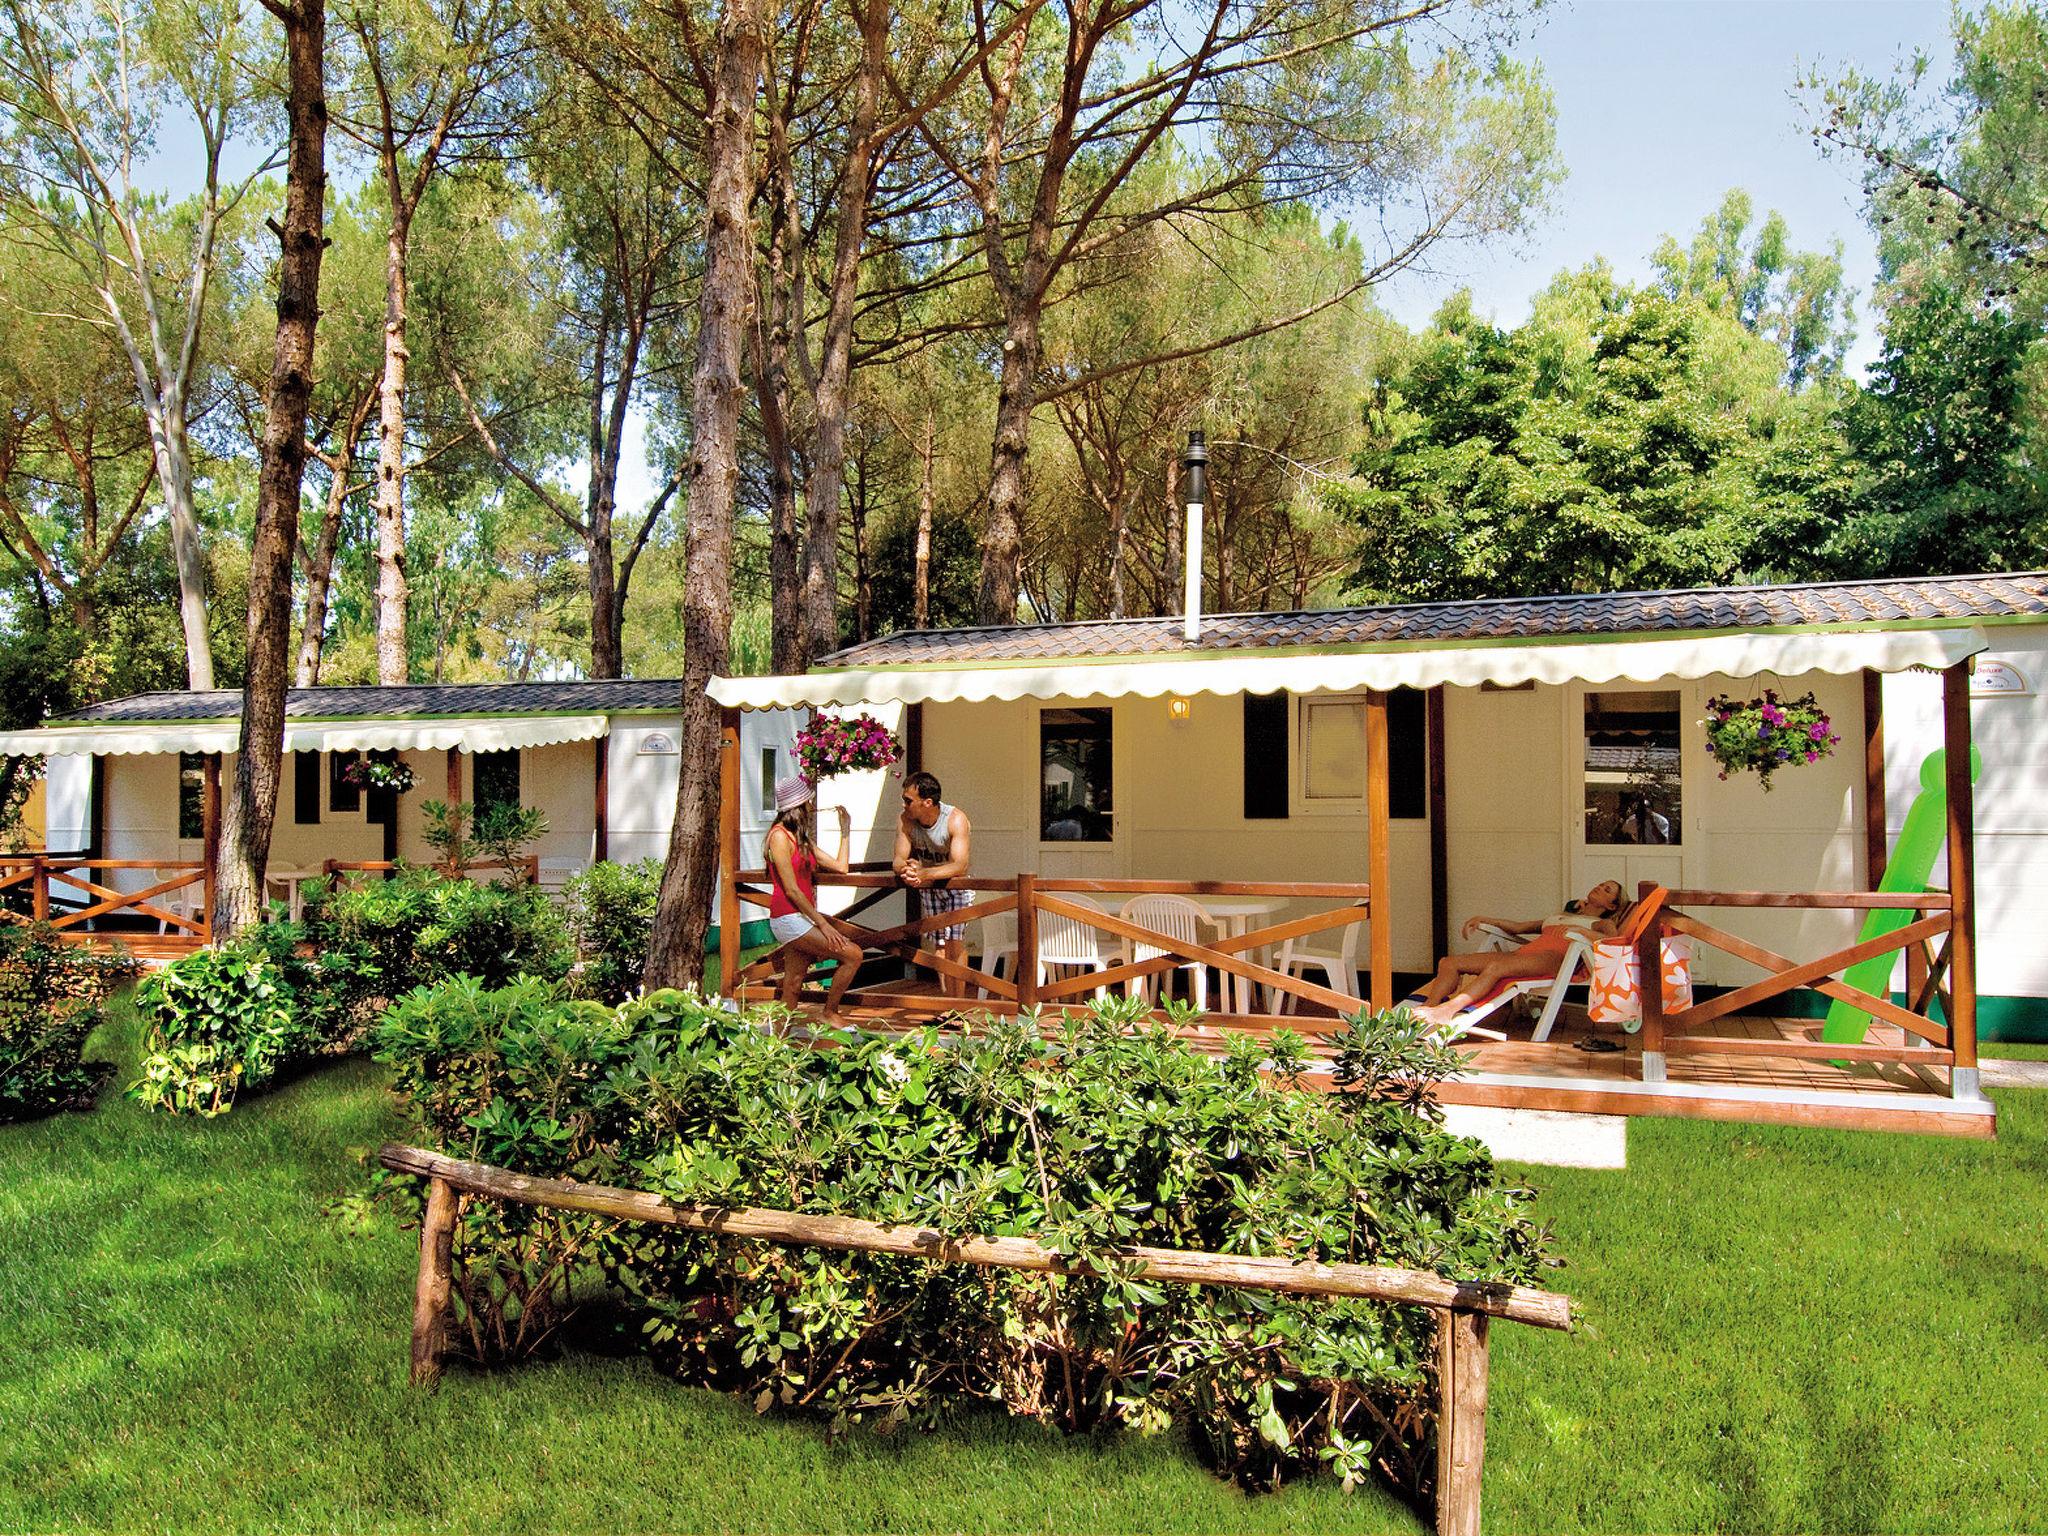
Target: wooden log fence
[{"x": 1463, "y": 1308}]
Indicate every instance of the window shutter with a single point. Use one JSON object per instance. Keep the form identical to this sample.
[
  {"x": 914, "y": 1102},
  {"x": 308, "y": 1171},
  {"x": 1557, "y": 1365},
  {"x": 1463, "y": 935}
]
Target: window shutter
[{"x": 1265, "y": 757}]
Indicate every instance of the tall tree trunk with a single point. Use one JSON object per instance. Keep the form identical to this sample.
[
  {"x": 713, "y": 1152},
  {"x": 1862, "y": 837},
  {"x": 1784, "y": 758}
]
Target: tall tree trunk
[
  {"x": 1002, "y": 543},
  {"x": 320, "y": 568},
  {"x": 921, "y": 589},
  {"x": 835, "y": 365},
  {"x": 771, "y": 392},
  {"x": 170, "y": 445},
  {"x": 675, "y": 956},
  {"x": 391, "y": 582},
  {"x": 252, "y": 800}
]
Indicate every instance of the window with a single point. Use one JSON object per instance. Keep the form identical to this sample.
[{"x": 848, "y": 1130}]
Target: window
[
  {"x": 342, "y": 796},
  {"x": 1265, "y": 757},
  {"x": 496, "y": 780},
  {"x": 768, "y": 781},
  {"x": 1075, "y": 789},
  {"x": 1333, "y": 753},
  {"x": 1632, "y": 768},
  {"x": 306, "y": 781},
  {"x": 192, "y": 795}
]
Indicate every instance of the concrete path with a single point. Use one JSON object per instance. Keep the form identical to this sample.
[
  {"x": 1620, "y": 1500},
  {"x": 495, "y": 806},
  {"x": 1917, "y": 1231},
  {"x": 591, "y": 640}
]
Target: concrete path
[{"x": 2009, "y": 1072}]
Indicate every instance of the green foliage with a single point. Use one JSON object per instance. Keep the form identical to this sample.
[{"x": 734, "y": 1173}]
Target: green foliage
[
  {"x": 1622, "y": 438},
  {"x": 610, "y": 912},
  {"x": 51, "y": 994},
  {"x": 219, "y": 1020},
  {"x": 501, "y": 834},
  {"x": 421, "y": 926},
  {"x": 1946, "y": 439},
  {"x": 1090, "y": 1135}
]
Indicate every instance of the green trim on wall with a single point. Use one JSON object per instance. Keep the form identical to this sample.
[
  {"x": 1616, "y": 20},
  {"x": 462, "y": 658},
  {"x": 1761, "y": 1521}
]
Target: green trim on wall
[{"x": 752, "y": 936}]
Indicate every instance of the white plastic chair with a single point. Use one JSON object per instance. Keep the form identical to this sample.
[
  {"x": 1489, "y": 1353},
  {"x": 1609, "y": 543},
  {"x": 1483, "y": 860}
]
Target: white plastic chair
[
  {"x": 1073, "y": 945},
  {"x": 186, "y": 901},
  {"x": 1339, "y": 967},
  {"x": 1177, "y": 918},
  {"x": 995, "y": 944}
]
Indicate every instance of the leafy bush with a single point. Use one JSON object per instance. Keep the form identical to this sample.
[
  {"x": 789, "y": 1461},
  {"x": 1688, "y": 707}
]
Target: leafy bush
[
  {"x": 421, "y": 927},
  {"x": 610, "y": 911},
  {"x": 459, "y": 832},
  {"x": 50, "y": 997},
  {"x": 218, "y": 1021},
  {"x": 1092, "y": 1136}
]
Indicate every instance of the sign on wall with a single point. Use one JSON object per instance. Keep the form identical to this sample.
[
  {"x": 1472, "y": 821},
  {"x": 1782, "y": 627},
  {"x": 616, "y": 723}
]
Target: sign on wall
[
  {"x": 1998, "y": 679},
  {"x": 656, "y": 744}
]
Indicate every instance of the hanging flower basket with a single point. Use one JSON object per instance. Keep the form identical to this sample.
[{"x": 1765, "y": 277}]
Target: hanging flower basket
[
  {"x": 828, "y": 747},
  {"x": 1761, "y": 736},
  {"x": 375, "y": 773}
]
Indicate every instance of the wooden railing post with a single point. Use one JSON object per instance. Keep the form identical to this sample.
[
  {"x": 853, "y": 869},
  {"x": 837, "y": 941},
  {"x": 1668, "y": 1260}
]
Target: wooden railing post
[
  {"x": 39, "y": 890},
  {"x": 1027, "y": 940},
  {"x": 1650, "y": 987},
  {"x": 1962, "y": 881},
  {"x": 1378, "y": 858},
  {"x": 430, "y": 1296},
  {"x": 1461, "y": 1421}
]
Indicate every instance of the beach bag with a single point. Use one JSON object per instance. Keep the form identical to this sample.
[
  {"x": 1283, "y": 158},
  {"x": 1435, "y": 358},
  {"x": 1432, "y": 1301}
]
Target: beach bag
[{"x": 1615, "y": 995}]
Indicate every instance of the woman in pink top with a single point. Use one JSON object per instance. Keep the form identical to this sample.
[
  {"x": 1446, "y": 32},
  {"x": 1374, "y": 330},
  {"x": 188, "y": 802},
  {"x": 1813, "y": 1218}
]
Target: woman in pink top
[{"x": 793, "y": 915}]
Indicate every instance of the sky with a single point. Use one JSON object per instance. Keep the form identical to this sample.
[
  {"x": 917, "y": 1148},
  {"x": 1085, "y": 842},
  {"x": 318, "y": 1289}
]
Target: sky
[{"x": 1662, "y": 107}]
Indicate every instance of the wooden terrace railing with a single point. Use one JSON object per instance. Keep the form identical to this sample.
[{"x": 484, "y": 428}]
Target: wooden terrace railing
[
  {"x": 1462, "y": 1307},
  {"x": 62, "y": 892},
  {"x": 1928, "y": 942},
  {"x": 1031, "y": 896}
]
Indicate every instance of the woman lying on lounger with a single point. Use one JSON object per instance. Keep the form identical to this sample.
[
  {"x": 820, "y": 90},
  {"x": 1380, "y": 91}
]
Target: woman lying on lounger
[{"x": 1462, "y": 980}]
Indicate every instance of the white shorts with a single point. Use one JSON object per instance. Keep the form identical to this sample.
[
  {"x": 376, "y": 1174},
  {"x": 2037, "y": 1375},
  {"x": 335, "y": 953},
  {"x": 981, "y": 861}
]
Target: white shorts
[{"x": 789, "y": 926}]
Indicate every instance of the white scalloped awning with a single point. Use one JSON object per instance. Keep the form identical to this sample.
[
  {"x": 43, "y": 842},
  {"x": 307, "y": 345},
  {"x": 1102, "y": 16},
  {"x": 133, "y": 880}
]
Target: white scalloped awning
[
  {"x": 488, "y": 733},
  {"x": 1506, "y": 662}
]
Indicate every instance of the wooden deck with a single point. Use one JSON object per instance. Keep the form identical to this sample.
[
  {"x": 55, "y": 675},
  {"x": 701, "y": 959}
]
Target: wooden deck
[{"x": 1519, "y": 1073}]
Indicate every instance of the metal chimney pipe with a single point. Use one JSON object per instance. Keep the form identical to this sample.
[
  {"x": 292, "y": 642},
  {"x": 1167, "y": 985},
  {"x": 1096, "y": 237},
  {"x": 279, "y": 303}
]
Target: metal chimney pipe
[{"x": 1195, "y": 466}]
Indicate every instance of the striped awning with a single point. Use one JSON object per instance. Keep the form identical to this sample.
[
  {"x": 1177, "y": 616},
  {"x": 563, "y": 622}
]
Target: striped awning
[
  {"x": 1783, "y": 653},
  {"x": 492, "y": 733}
]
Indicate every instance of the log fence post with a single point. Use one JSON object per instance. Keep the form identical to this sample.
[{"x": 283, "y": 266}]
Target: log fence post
[
  {"x": 1962, "y": 881},
  {"x": 1650, "y": 987},
  {"x": 1461, "y": 1363},
  {"x": 430, "y": 1296}
]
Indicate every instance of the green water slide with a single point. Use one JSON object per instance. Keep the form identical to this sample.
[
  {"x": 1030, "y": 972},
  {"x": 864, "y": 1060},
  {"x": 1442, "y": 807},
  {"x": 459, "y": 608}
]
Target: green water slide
[{"x": 1905, "y": 872}]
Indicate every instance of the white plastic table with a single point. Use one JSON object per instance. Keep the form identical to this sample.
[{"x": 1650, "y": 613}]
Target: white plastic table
[
  {"x": 290, "y": 883},
  {"x": 1233, "y": 916}
]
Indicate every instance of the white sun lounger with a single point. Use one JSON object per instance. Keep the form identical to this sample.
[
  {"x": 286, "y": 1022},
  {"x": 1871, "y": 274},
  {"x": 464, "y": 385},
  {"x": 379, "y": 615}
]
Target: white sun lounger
[{"x": 1578, "y": 953}]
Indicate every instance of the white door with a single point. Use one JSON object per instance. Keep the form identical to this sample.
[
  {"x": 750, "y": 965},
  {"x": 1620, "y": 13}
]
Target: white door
[
  {"x": 1626, "y": 783},
  {"x": 1078, "y": 775}
]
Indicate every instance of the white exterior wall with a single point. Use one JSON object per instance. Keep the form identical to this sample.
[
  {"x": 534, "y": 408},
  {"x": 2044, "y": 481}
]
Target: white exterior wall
[
  {"x": 2011, "y": 736},
  {"x": 1514, "y": 806}
]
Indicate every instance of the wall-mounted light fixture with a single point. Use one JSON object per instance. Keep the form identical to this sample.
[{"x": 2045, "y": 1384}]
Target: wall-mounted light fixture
[{"x": 1179, "y": 711}]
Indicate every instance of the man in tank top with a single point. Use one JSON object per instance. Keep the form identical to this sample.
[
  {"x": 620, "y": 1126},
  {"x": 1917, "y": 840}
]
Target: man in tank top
[{"x": 932, "y": 846}]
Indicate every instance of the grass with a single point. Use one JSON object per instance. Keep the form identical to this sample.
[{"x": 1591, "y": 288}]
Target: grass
[{"x": 1783, "y": 1330}]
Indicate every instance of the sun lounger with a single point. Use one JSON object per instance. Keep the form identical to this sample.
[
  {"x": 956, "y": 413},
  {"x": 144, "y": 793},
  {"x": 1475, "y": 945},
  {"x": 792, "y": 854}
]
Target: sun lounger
[{"x": 1467, "y": 1021}]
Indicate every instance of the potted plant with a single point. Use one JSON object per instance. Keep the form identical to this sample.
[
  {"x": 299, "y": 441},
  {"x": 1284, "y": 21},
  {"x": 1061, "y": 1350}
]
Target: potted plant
[
  {"x": 1762, "y": 735},
  {"x": 830, "y": 746},
  {"x": 393, "y": 776}
]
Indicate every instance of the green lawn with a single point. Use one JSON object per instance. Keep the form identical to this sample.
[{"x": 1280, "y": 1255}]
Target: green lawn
[{"x": 1783, "y": 1330}]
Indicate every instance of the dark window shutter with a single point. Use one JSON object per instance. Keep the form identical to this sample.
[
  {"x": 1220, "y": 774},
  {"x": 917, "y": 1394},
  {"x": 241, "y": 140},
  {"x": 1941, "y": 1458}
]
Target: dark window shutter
[
  {"x": 306, "y": 780},
  {"x": 1265, "y": 757},
  {"x": 1407, "y": 755}
]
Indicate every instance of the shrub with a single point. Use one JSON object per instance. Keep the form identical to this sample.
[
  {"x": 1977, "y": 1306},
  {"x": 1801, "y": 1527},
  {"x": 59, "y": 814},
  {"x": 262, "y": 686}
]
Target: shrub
[
  {"x": 610, "y": 912},
  {"x": 218, "y": 1021},
  {"x": 421, "y": 927},
  {"x": 51, "y": 993},
  {"x": 1090, "y": 1135}
]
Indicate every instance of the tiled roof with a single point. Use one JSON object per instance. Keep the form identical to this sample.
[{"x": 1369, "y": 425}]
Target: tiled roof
[
  {"x": 1853, "y": 603},
  {"x": 421, "y": 701}
]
